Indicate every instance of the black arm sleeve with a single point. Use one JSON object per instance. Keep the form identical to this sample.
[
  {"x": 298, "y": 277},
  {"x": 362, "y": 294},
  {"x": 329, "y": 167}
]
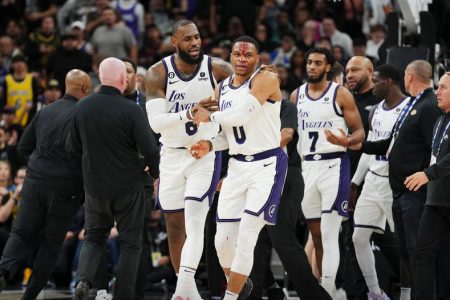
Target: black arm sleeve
[
  {"x": 376, "y": 147},
  {"x": 27, "y": 142},
  {"x": 146, "y": 141}
]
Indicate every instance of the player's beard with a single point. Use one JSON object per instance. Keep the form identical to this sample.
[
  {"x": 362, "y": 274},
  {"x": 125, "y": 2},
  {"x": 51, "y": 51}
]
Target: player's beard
[
  {"x": 188, "y": 59},
  {"x": 317, "y": 79}
]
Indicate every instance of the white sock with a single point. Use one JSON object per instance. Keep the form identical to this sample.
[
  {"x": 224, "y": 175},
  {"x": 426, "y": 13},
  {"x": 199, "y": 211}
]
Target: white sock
[
  {"x": 328, "y": 283},
  {"x": 405, "y": 293},
  {"x": 329, "y": 227},
  {"x": 230, "y": 296},
  {"x": 186, "y": 280},
  {"x": 366, "y": 259}
]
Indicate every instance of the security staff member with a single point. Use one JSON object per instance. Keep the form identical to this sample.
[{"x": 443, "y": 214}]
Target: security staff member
[
  {"x": 131, "y": 93},
  {"x": 435, "y": 223},
  {"x": 110, "y": 134},
  {"x": 52, "y": 190},
  {"x": 409, "y": 150}
]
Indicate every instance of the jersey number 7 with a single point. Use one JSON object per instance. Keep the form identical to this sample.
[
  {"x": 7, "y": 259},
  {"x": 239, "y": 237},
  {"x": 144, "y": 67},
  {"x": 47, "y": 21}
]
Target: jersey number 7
[{"x": 314, "y": 136}]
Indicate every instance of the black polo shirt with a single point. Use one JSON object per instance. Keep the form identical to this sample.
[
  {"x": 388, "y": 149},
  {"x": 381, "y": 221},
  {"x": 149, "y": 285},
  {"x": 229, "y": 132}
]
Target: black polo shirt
[
  {"x": 112, "y": 134},
  {"x": 43, "y": 141},
  {"x": 288, "y": 115}
]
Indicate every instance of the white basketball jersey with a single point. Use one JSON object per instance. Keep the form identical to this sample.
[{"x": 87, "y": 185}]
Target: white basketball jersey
[
  {"x": 383, "y": 121},
  {"x": 261, "y": 132},
  {"x": 184, "y": 93},
  {"x": 316, "y": 115}
]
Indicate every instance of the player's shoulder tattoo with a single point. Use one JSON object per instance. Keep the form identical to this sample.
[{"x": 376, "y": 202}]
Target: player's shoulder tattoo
[
  {"x": 221, "y": 68},
  {"x": 155, "y": 80}
]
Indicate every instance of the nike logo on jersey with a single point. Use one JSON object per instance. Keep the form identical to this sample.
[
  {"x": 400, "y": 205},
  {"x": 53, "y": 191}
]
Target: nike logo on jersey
[
  {"x": 332, "y": 166},
  {"x": 172, "y": 82},
  {"x": 265, "y": 165}
]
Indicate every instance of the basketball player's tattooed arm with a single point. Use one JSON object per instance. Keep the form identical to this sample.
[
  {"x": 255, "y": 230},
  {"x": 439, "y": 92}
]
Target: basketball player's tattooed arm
[
  {"x": 155, "y": 81},
  {"x": 221, "y": 69},
  {"x": 158, "y": 117},
  {"x": 352, "y": 118}
]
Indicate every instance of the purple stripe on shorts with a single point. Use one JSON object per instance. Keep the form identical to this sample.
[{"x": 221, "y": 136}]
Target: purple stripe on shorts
[
  {"x": 270, "y": 209},
  {"x": 168, "y": 211},
  {"x": 214, "y": 181},
  {"x": 343, "y": 194},
  {"x": 369, "y": 226},
  {"x": 227, "y": 220}
]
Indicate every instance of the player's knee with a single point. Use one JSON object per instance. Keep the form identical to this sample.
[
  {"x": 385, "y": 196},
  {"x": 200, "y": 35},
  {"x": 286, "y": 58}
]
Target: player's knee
[
  {"x": 330, "y": 241},
  {"x": 195, "y": 226},
  {"x": 225, "y": 248},
  {"x": 359, "y": 238},
  {"x": 329, "y": 234},
  {"x": 175, "y": 225},
  {"x": 244, "y": 252}
]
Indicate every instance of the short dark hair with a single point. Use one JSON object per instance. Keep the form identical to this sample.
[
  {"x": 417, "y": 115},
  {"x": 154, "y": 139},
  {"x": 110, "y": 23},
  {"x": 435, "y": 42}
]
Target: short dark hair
[
  {"x": 179, "y": 24},
  {"x": 19, "y": 58},
  {"x": 390, "y": 71},
  {"x": 359, "y": 41},
  {"x": 328, "y": 56},
  {"x": 128, "y": 60},
  {"x": 247, "y": 39},
  {"x": 335, "y": 70}
]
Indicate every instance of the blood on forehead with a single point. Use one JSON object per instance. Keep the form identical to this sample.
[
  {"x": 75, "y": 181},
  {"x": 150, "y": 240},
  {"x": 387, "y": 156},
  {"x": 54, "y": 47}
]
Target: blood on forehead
[{"x": 243, "y": 48}]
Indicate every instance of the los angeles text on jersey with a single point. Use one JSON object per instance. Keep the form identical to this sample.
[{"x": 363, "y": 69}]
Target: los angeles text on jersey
[{"x": 308, "y": 124}]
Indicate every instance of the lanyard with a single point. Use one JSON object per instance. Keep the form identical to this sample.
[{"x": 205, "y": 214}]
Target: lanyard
[
  {"x": 442, "y": 137},
  {"x": 137, "y": 97},
  {"x": 405, "y": 111}
]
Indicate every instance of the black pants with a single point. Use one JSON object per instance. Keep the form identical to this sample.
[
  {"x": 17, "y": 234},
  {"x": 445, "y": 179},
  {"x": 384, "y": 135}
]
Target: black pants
[
  {"x": 283, "y": 238},
  {"x": 144, "y": 262},
  {"x": 406, "y": 211},
  {"x": 44, "y": 213},
  {"x": 433, "y": 229},
  {"x": 216, "y": 276},
  {"x": 100, "y": 213}
]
